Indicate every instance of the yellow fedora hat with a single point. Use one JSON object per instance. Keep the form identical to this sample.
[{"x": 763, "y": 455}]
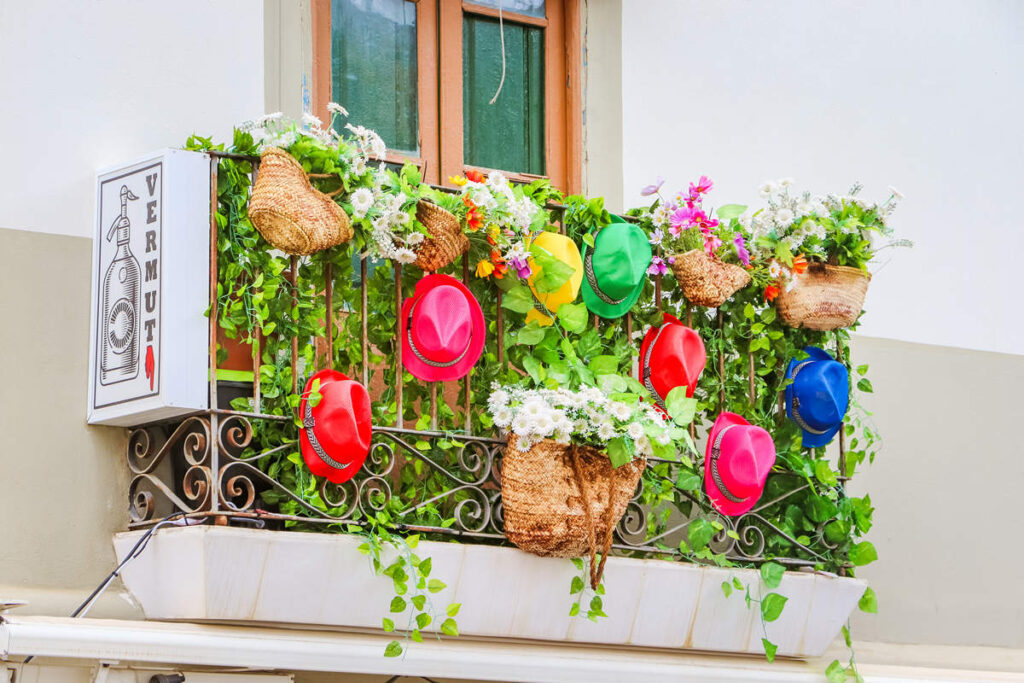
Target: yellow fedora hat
[{"x": 565, "y": 250}]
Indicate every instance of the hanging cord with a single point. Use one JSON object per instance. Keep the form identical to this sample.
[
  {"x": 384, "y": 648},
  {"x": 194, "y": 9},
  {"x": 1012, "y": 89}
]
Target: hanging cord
[
  {"x": 81, "y": 610},
  {"x": 501, "y": 29}
]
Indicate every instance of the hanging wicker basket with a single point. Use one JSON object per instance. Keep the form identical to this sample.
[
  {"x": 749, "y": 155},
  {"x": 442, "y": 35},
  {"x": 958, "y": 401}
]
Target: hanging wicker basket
[
  {"x": 824, "y": 297},
  {"x": 562, "y": 500},
  {"x": 706, "y": 280},
  {"x": 446, "y": 242},
  {"x": 289, "y": 212}
]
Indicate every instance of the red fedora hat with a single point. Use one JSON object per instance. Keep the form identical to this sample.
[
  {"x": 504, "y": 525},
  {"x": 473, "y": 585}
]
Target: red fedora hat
[
  {"x": 442, "y": 329},
  {"x": 671, "y": 355},
  {"x": 737, "y": 460},
  {"x": 336, "y": 432}
]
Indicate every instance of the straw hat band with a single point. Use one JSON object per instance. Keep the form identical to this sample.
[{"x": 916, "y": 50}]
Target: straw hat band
[
  {"x": 647, "y": 370},
  {"x": 308, "y": 422},
  {"x": 715, "y": 453},
  {"x": 796, "y": 404},
  {"x": 588, "y": 271}
]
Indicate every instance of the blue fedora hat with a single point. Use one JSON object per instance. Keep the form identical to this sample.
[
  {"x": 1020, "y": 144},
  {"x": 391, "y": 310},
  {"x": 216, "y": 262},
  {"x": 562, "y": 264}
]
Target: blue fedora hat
[{"x": 818, "y": 396}]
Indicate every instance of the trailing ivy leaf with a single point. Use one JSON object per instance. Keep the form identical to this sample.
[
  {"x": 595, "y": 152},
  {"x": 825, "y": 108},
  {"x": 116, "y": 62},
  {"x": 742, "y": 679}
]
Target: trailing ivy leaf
[
  {"x": 416, "y": 636},
  {"x": 413, "y": 541},
  {"x": 699, "y": 533},
  {"x": 835, "y": 673},
  {"x": 823, "y": 473},
  {"x": 846, "y": 637},
  {"x": 418, "y": 601},
  {"x": 726, "y": 212},
  {"x": 576, "y": 586},
  {"x": 680, "y": 408},
  {"x": 726, "y": 588},
  {"x": 449, "y": 627},
  {"x": 518, "y": 299},
  {"x": 618, "y": 452},
  {"x": 453, "y": 609},
  {"x": 604, "y": 365},
  {"x": 771, "y": 574},
  {"x": 687, "y": 480},
  {"x": 394, "y": 649},
  {"x": 588, "y": 239},
  {"x": 769, "y": 649},
  {"x": 611, "y": 384},
  {"x": 736, "y": 583},
  {"x": 553, "y": 272},
  {"x": 864, "y": 384},
  {"x": 863, "y": 553},
  {"x": 574, "y": 609},
  {"x": 535, "y": 368},
  {"x": 423, "y": 620},
  {"x": 771, "y": 606},
  {"x": 530, "y": 334},
  {"x": 869, "y": 601},
  {"x": 398, "y": 605},
  {"x": 573, "y": 317},
  {"x": 436, "y": 585},
  {"x": 388, "y": 625}
]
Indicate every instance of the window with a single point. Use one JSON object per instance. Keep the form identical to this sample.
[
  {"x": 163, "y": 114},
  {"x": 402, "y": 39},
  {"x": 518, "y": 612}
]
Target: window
[{"x": 424, "y": 73}]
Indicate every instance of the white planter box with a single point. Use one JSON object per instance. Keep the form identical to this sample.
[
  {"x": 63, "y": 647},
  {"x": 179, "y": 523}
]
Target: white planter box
[{"x": 225, "y": 574}]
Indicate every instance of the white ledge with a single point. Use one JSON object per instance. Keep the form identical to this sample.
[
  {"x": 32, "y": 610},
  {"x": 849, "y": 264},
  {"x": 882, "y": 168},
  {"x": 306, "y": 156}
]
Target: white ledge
[{"x": 227, "y": 574}]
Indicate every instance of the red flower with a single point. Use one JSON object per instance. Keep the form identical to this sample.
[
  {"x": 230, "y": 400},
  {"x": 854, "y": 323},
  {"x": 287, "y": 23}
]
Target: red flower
[
  {"x": 474, "y": 219},
  {"x": 475, "y": 176},
  {"x": 770, "y": 292},
  {"x": 799, "y": 264}
]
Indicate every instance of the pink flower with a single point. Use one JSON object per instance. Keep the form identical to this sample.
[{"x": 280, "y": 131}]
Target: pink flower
[
  {"x": 711, "y": 243},
  {"x": 657, "y": 266},
  {"x": 741, "y": 249},
  {"x": 648, "y": 190},
  {"x": 682, "y": 219},
  {"x": 703, "y": 186}
]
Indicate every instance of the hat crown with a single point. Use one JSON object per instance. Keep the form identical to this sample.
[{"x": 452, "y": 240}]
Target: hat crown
[
  {"x": 441, "y": 324},
  {"x": 622, "y": 254},
  {"x": 677, "y": 358},
  {"x": 566, "y": 251},
  {"x": 746, "y": 457},
  {"x": 822, "y": 388},
  {"x": 342, "y": 418}
]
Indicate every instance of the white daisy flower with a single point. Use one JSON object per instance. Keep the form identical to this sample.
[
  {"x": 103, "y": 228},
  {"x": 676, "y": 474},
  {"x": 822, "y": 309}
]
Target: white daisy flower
[
  {"x": 336, "y": 108},
  {"x": 783, "y": 217},
  {"x": 605, "y": 431},
  {"x": 768, "y": 188},
  {"x": 405, "y": 256},
  {"x": 634, "y": 430},
  {"x": 643, "y": 446},
  {"x": 414, "y": 238},
  {"x": 362, "y": 200},
  {"x": 785, "y": 182},
  {"x": 311, "y": 121},
  {"x": 503, "y": 417},
  {"x": 521, "y": 424},
  {"x": 620, "y": 410}
]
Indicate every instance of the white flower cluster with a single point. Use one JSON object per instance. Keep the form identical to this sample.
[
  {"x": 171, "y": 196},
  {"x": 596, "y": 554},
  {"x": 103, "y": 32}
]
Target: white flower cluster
[
  {"x": 501, "y": 204},
  {"x": 390, "y": 236},
  {"x": 586, "y": 416}
]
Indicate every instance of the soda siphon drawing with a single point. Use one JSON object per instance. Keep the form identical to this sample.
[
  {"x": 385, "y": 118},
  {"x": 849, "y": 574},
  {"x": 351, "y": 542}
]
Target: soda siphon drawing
[{"x": 119, "y": 341}]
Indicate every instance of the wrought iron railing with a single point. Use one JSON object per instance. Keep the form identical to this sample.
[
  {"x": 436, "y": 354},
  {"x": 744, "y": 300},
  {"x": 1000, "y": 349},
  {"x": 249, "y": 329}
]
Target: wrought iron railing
[{"x": 207, "y": 467}]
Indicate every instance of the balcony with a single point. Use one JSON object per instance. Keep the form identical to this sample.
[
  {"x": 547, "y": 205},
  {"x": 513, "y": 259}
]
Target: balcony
[{"x": 257, "y": 538}]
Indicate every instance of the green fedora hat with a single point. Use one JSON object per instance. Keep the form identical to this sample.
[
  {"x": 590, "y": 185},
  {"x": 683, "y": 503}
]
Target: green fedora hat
[{"x": 615, "y": 269}]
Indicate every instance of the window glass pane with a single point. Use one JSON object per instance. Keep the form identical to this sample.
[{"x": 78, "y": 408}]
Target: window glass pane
[
  {"x": 534, "y": 8},
  {"x": 508, "y": 134},
  {"x": 373, "y": 67}
]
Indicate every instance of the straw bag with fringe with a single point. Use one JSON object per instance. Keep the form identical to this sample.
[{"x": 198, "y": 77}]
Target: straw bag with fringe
[
  {"x": 563, "y": 500},
  {"x": 289, "y": 212},
  {"x": 824, "y": 297},
  {"x": 706, "y": 280},
  {"x": 446, "y": 241}
]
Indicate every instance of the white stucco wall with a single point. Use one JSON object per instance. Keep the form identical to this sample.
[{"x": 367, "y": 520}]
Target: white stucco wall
[
  {"x": 920, "y": 94},
  {"x": 90, "y": 84}
]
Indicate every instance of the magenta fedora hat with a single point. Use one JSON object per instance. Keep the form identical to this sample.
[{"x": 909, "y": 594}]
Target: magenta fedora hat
[
  {"x": 442, "y": 329},
  {"x": 737, "y": 460}
]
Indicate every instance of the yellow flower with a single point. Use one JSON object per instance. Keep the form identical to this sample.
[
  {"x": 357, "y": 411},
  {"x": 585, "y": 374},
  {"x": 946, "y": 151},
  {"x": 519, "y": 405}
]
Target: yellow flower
[
  {"x": 456, "y": 180},
  {"x": 484, "y": 268}
]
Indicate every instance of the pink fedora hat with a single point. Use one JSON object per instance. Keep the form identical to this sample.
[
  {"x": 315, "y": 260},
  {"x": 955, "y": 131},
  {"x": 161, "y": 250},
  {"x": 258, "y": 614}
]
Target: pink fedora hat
[
  {"x": 442, "y": 328},
  {"x": 737, "y": 460}
]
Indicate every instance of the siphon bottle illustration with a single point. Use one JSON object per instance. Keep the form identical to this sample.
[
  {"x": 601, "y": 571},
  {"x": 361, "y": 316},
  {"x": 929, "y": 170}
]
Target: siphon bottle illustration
[{"x": 119, "y": 342}]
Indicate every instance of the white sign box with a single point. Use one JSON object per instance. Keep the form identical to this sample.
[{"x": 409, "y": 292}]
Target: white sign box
[{"x": 149, "y": 342}]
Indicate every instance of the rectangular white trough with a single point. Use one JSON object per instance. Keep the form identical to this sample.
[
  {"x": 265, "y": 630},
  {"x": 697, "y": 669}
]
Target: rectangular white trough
[{"x": 227, "y": 574}]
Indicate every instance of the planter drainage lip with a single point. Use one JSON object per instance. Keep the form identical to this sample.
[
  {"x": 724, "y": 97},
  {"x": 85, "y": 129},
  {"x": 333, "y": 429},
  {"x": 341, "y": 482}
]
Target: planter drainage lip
[{"x": 303, "y": 579}]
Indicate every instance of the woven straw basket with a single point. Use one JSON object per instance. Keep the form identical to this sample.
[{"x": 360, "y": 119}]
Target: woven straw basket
[
  {"x": 705, "y": 280},
  {"x": 563, "y": 501},
  {"x": 289, "y": 212},
  {"x": 446, "y": 241},
  {"x": 824, "y": 297}
]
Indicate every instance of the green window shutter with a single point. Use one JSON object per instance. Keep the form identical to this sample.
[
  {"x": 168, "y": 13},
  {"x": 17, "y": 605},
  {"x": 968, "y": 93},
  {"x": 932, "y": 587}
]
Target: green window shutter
[
  {"x": 509, "y": 134},
  {"x": 374, "y": 70}
]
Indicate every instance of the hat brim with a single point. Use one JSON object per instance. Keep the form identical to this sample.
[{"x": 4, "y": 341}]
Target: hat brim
[
  {"x": 808, "y": 439},
  {"x": 314, "y": 462},
  {"x": 727, "y": 507},
  {"x": 458, "y": 370}
]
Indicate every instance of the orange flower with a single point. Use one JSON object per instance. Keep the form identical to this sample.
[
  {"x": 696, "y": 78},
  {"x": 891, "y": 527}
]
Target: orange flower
[
  {"x": 770, "y": 292},
  {"x": 484, "y": 268},
  {"x": 475, "y": 176},
  {"x": 474, "y": 219},
  {"x": 799, "y": 264},
  {"x": 499, "y": 264}
]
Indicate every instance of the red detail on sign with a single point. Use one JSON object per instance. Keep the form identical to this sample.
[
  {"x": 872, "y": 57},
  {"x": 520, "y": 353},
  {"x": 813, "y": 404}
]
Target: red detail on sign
[{"x": 150, "y": 366}]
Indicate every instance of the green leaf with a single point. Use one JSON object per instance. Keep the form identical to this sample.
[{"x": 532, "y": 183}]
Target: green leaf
[
  {"x": 576, "y": 586},
  {"x": 588, "y": 239},
  {"x": 726, "y": 588},
  {"x": 869, "y": 601},
  {"x": 423, "y": 620},
  {"x": 574, "y": 609},
  {"x": 573, "y": 317},
  {"x": 416, "y": 636},
  {"x": 436, "y": 586},
  {"x": 687, "y": 480},
  {"x": 699, "y": 533},
  {"x": 769, "y": 649},
  {"x": 680, "y": 408},
  {"x": 748, "y": 312},
  {"x": 398, "y": 605},
  {"x": 535, "y": 368},
  {"x": 553, "y": 273},
  {"x": 835, "y": 673},
  {"x": 862, "y": 369},
  {"x": 418, "y": 601},
  {"x": 389, "y": 625},
  {"x": 518, "y": 299},
  {"x": 424, "y": 567},
  {"x": 530, "y": 334},
  {"x": 823, "y": 472},
  {"x": 611, "y": 384},
  {"x": 771, "y": 606},
  {"x": 864, "y": 384},
  {"x": 413, "y": 541},
  {"x": 604, "y": 365},
  {"x": 394, "y": 649},
  {"x": 449, "y": 627},
  {"x": 736, "y": 583},
  {"x": 618, "y": 452},
  {"x": 453, "y": 609},
  {"x": 726, "y": 212},
  {"x": 771, "y": 574},
  {"x": 863, "y": 553}
]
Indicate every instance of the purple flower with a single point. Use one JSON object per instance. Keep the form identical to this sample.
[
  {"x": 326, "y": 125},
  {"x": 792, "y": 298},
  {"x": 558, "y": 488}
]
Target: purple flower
[
  {"x": 648, "y": 190},
  {"x": 656, "y": 237},
  {"x": 741, "y": 249},
  {"x": 657, "y": 266},
  {"x": 521, "y": 265}
]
